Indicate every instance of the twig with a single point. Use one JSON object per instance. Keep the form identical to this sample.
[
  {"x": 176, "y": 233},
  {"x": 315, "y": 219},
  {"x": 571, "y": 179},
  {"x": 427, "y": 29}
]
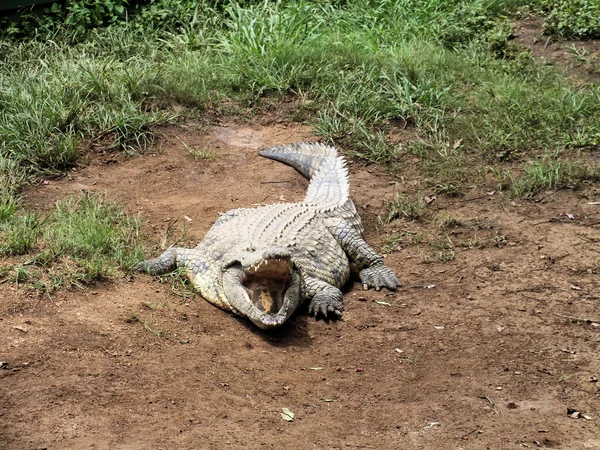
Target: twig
[
  {"x": 578, "y": 319},
  {"x": 277, "y": 182},
  {"x": 492, "y": 403},
  {"x": 184, "y": 144},
  {"x": 473, "y": 199},
  {"x": 470, "y": 433},
  {"x": 532, "y": 298},
  {"x": 165, "y": 238},
  {"x": 111, "y": 354}
]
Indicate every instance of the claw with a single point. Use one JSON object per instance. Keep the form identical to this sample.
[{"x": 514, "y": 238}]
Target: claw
[{"x": 379, "y": 276}]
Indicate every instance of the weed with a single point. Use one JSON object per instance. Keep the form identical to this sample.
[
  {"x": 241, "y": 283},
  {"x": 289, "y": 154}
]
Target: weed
[
  {"x": 83, "y": 240},
  {"x": 19, "y": 234},
  {"x": 444, "y": 256},
  {"x": 407, "y": 207},
  {"x": 412, "y": 372},
  {"x": 404, "y": 237},
  {"x": 151, "y": 330},
  {"x": 180, "y": 285},
  {"x": 447, "y": 222},
  {"x": 572, "y": 18},
  {"x": 547, "y": 174},
  {"x": 197, "y": 153}
]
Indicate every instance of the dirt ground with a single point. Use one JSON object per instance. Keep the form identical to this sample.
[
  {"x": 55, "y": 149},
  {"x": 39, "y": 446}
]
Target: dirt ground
[
  {"x": 495, "y": 349},
  {"x": 478, "y": 352}
]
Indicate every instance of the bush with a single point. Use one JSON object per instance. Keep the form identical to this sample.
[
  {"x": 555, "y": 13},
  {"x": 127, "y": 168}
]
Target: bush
[{"x": 572, "y": 18}]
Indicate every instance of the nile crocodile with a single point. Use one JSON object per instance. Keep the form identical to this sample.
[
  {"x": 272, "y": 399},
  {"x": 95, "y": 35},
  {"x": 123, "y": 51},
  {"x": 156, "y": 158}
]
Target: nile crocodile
[{"x": 263, "y": 262}]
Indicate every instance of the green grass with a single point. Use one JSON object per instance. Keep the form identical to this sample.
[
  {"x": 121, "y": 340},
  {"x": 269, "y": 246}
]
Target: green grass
[
  {"x": 445, "y": 73},
  {"x": 411, "y": 208},
  {"x": 446, "y": 69},
  {"x": 83, "y": 240},
  {"x": 572, "y": 18},
  {"x": 547, "y": 174}
]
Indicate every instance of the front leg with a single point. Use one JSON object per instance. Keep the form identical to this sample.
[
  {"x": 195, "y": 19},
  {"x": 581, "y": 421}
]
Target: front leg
[
  {"x": 373, "y": 271},
  {"x": 167, "y": 262},
  {"x": 326, "y": 298}
]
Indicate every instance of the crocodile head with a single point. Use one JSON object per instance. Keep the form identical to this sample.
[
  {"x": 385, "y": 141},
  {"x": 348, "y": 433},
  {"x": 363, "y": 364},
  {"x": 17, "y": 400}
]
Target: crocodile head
[{"x": 262, "y": 285}]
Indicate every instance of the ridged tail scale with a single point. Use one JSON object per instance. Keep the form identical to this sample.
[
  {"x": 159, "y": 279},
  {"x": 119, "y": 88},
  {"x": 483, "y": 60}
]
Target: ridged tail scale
[{"x": 329, "y": 185}]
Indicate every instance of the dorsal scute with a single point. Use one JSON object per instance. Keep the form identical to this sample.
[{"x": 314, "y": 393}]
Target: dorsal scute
[{"x": 329, "y": 187}]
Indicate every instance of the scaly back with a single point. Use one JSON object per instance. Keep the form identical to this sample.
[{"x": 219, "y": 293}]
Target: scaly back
[{"x": 329, "y": 186}]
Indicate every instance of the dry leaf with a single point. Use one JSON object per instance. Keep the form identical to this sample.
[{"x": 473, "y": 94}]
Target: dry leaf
[{"x": 287, "y": 415}]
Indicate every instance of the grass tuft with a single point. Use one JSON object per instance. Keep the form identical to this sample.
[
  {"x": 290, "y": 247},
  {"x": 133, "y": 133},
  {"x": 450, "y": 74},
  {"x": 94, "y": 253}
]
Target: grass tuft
[
  {"x": 83, "y": 240},
  {"x": 407, "y": 207},
  {"x": 547, "y": 174}
]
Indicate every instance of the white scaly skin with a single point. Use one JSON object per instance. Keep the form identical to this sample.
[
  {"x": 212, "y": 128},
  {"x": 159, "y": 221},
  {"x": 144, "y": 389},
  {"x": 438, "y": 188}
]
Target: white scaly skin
[{"x": 314, "y": 239}]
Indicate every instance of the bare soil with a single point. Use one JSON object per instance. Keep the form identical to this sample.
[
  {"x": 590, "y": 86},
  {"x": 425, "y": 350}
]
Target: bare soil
[{"x": 477, "y": 352}]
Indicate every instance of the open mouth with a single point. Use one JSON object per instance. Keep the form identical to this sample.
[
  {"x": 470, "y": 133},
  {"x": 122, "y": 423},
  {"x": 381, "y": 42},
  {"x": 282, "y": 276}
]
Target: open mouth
[{"x": 266, "y": 283}]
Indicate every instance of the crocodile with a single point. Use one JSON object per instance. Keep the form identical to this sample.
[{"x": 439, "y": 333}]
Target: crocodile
[{"x": 262, "y": 263}]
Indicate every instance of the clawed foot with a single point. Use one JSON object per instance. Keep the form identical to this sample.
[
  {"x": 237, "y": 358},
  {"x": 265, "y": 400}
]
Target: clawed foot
[
  {"x": 379, "y": 276},
  {"x": 327, "y": 303}
]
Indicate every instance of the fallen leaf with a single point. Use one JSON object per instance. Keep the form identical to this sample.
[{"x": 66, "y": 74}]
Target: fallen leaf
[
  {"x": 329, "y": 400},
  {"x": 383, "y": 303},
  {"x": 189, "y": 219},
  {"x": 439, "y": 327},
  {"x": 399, "y": 350},
  {"x": 287, "y": 415},
  {"x": 316, "y": 368},
  {"x": 570, "y": 216},
  {"x": 593, "y": 203},
  {"x": 430, "y": 286},
  {"x": 575, "y": 288}
]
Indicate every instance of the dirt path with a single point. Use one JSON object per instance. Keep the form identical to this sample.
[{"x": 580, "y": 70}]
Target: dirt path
[{"x": 472, "y": 353}]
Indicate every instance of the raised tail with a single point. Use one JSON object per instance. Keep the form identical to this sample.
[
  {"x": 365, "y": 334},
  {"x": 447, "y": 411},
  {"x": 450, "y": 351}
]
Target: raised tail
[
  {"x": 319, "y": 163},
  {"x": 305, "y": 157}
]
